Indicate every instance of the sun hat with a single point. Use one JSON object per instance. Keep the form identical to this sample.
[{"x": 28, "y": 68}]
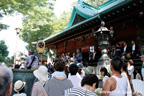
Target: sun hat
[
  {"x": 19, "y": 85},
  {"x": 41, "y": 73}
]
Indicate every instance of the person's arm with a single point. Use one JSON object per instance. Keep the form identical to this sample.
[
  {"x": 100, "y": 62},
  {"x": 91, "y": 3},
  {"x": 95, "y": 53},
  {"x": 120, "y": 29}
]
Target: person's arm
[
  {"x": 139, "y": 77},
  {"x": 103, "y": 88},
  {"x": 107, "y": 87}
]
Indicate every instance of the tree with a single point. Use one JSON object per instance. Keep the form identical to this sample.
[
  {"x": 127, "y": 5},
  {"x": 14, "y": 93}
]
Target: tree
[
  {"x": 95, "y": 2},
  {"x": 8, "y": 7},
  {"x": 9, "y": 61},
  {"x": 37, "y": 25},
  {"x": 60, "y": 23},
  {"x": 41, "y": 24},
  {"x": 3, "y": 51}
]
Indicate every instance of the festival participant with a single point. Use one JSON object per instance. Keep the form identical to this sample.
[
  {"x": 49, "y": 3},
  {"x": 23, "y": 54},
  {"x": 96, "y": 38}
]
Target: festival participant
[
  {"x": 134, "y": 50},
  {"x": 126, "y": 50},
  {"x": 89, "y": 83},
  {"x": 142, "y": 70},
  {"x": 116, "y": 85},
  {"x": 19, "y": 88},
  {"x": 96, "y": 55},
  {"x": 80, "y": 69},
  {"x": 6, "y": 78},
  {"x": 31, "y": 61},
  {"x": 90, "y": 57},
  {"x": 131, "y": 69},
  {"x": 73, "y": 76},
  {"x": 113, "y": 52},
  {"x": 138, "y": 76},
  {"x": 118, "y": 50},
  {"x": 59, "y": 82},
  {"x": 125, "y": 74},
  {"x": 105, "y": 75},
  {"x": 42, "y": 75},
  {"x": 79, "y": 56}
]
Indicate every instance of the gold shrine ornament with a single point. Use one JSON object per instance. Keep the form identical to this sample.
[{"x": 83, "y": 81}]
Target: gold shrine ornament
[{"x": 40, "y": 46}]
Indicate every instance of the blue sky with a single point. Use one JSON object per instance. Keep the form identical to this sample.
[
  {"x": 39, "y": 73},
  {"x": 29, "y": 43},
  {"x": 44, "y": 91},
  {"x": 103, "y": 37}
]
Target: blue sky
[{"x": 15, "y": 21}]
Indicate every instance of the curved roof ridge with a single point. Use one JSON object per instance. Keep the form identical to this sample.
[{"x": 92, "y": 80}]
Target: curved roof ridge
[{"x": 84, "y": 10}]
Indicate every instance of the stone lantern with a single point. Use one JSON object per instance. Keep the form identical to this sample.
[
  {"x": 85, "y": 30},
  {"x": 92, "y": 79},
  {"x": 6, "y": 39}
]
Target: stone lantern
[{"x": 103, "y": 37}]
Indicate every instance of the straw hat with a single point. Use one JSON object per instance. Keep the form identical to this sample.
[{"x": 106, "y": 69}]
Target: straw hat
[
  {"x": 19, "y": 85},
  {"x": 41, "y": 73}
]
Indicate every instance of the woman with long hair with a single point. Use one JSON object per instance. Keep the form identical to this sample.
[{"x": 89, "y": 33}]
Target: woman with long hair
[
  {"x": 124, "y": 73},
  {"x": 105, "y": 75}
]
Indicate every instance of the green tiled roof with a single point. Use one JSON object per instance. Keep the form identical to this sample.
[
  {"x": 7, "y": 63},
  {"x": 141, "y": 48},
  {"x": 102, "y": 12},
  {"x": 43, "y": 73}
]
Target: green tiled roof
[
  {"x": 83, "y": 9},
  {"x": 89, "y": 12}
]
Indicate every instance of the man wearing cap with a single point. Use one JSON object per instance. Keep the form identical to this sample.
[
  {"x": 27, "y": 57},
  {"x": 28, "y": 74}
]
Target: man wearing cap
[
  {"x": 31, "y": 61},
  {"x": 142, "y": 70}
]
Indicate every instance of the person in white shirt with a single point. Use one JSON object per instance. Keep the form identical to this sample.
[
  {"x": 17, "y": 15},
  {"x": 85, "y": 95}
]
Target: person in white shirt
[
  {"x": 142, "y": 70},
  {"x": 80, "y": 70},
  {"x": 131, "y": 69},
  {"x": 117, "y": 84},
  {"x": 105, "y": 75},
  {"x": 125, "y": 74},
  {"x": 125, "y": 50},
  {"x": 74, "y": 76}
]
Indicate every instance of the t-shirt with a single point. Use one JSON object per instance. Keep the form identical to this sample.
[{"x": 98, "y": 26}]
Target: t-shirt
[
  {"x": 35, "y": 62},
  {"x": 130, "y": 71},
  {"x": 78, "y": 92},
  {"x": 56, "y": 87},
  {"x": 38, "y": 89},
  {"x": 105, "y": 78},
  {"x": 76, "y": 81}
]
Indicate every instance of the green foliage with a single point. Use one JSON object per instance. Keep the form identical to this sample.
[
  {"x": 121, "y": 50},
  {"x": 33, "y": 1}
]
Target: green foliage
[
  {"x": 2, "y": 58},
  {"x": 9, "y": 61},
  {"x": 95, "y": 2},
  {"x": 3, "y": 51},
  {"x": 41, "y": 23},
  {"x": 60, "y": 23},
  {"x": 37, "y": 25},
  {"x": 7, "y": 7}
]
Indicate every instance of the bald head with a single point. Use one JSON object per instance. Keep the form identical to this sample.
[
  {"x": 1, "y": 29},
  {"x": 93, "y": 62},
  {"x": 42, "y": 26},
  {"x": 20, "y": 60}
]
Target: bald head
[{"x": 6, "y": 78}]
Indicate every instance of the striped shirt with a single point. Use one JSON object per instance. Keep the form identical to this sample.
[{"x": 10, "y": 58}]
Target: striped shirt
[
  {"x": 78, "y": 92},
  {"x": 38, "y": 89}
]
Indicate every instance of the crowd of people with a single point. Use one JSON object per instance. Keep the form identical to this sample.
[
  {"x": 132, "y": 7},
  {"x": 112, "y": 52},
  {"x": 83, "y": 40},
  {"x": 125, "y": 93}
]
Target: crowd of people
[
  {"x": 124, "y": 50},
  {"x": 59, "y": 83},
  {"x": 67, "y": 76}
]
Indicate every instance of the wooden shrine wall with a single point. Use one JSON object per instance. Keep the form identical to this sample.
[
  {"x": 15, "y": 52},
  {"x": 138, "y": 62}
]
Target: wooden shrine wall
[
  {"x": 125, "y": 31},
  {"x": 75, "y": 43}
]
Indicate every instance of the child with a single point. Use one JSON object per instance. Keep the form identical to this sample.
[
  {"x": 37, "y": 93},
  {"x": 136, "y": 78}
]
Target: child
[{"x": 19, "y": 88}]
